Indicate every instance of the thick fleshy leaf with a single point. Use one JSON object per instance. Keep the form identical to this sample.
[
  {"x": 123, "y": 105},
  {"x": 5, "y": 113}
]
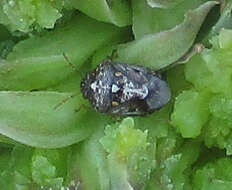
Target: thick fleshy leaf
[
  {"x": 160, "y": 50},
  {"x": 38, "y": 63},
  {"x": 148, "y": 20},
  {"x": 131, "y": 158},
  {"x": 72, "y": 83},
  {"x": 175, "y": 167},
  {"x": 214, "y": 175},
  {"x": 30, "y": 118},
  {"x": 26, "y": 15},
  {"x": 189, "y": 123},
  {"x": 7, "y": 140},
  {"x": 88, "y": 164},
  {"x": 49, "y": 167},
  {"x": 113, "y": 11},
  {"x": 204, "y": 70},
  {"x": 163, "y": 3}
]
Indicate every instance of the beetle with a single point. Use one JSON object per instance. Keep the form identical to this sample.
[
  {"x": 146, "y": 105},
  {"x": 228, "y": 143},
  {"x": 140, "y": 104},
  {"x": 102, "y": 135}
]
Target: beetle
[{"x": 123, "y": 89}]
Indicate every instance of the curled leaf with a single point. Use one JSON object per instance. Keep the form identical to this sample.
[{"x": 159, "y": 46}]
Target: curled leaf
[
  {"x": 148, "y": 20},
  {"x": 161, "y": 49}
]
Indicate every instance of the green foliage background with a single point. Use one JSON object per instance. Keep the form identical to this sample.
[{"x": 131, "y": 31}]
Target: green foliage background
[{"x": 184, "y": 146}]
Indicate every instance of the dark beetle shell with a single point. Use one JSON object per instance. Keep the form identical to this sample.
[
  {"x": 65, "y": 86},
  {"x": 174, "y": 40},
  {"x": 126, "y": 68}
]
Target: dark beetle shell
[{"x": 122, "y": 89}]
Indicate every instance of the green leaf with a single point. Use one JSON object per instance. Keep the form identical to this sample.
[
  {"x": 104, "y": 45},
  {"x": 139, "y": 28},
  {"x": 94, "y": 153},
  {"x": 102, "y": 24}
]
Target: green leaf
[
  {"x": 20, "y": 161},
  {"x": 88, "y": 164},
  {"x": 44, "y": 173},
  {"x": 23, "y": 15},
  {"x": 30, "y": 118},
  {"x": 160, "y": 50},
  {"x": 6, "y": 42},
  {"x": 174, "y": 171},
  {"x": 217, "y": 133},
  {"x": 113, "y": 11},
  {"x": 214, "y": 175},
  {"x": 4, "y": 158},
  {"x": 221, "y": 107},
  {"x": 163, "y": 3},
  {"x": 7, "y": 140},
  {"x": 38, "y": 62},
  {"x": 5, "y": 48},
  {"x": 204, "y": 69},
  {"x": 174, "y": 174},
  {"x": 131, "y": 157},
  {"x": 176, "y": 80},
  {"x": 4, "y": 33},
  {"x": 148, "y": 20},
  {"x": 71, "y": 83},
  {"x": 225, "y": 20},
  {"x": 56, "y": 158},
  {"x": 17, "y": 173},
  {"x": 101, "y": 55},
  {"x": 190, "y": 113},
  {"x": 225, "y": 39},
  {"x": 6, "y": 180}
]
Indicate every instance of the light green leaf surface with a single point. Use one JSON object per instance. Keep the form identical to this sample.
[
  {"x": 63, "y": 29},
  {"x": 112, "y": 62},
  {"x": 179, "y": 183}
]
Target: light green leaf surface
[
  {"x": 131, "y": 158},
  {"x": 214, "y": 176},
  {"x": 117, "y": 12},
  {"x": 160, "y": 50},
  {"x": 88, "y": 164},
  {"x": 190, "y": 122},
  {"x": 175, "y": 173},
  {"x": 211, "y": 70},
  {"x": 163, "y": 3},
  {"x": 38, "y": 63},
  {"x": 23, "y": 15},
  {"x": 30, "y": 118},
  {"x": 139, "y": 153},
  {"x": 148, "y": 20},
  {"x": 44, "y": 173}
]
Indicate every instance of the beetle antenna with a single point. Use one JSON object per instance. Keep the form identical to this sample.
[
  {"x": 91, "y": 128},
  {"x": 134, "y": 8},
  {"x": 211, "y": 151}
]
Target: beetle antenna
[
  {"x": 64, "y": 101},
  {"x": 69, "y": 62}
]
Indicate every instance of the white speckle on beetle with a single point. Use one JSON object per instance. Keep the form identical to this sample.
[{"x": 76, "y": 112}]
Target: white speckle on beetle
[
  {"x": 115, "y": 88},
  {"x": 130, "y": 91},
  {"x": 94, "y": 86},
  {"x": 122, "y": 89}
]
